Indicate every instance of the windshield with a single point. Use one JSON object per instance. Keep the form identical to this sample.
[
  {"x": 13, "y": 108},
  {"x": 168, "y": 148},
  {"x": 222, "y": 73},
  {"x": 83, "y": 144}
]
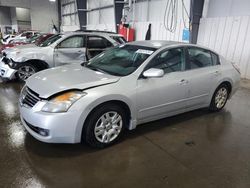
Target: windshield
[
  {"x": 50, "y": 40},
  {"x": 32, "y": 39},
  {"x": 120, "y": 61}
]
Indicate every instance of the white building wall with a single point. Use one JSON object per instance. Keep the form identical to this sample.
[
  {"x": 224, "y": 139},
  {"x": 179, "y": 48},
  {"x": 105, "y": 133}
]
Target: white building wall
[
  {"x": 103, "y": 19},
  {"x": 71, "y": 21},
  {"x": 42, "y": 12},
  {"x": 227, "y": 33},
  {"x": 16, "y": 3},
  {"x": 145, "y": 12},
  {"x": 23, "y": 19},
  {"x": 152, "y": 11},
  {"x": 23, "y": 14}
]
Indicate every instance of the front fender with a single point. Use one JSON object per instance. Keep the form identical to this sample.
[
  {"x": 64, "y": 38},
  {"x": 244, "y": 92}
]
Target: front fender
[
  {"x": 93, "y": 103},
  {"x": 22, "y": 57}
]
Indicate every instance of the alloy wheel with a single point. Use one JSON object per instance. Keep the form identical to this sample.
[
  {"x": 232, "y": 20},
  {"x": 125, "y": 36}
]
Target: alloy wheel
[
  {"x": 25, "y": 72},
  {"x": 108, "y": 127},
  {"x": 221, "y": 97}
]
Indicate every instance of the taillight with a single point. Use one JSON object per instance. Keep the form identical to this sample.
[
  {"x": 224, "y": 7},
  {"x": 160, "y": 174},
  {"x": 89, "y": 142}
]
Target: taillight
[{"x": 236, "y": 67}]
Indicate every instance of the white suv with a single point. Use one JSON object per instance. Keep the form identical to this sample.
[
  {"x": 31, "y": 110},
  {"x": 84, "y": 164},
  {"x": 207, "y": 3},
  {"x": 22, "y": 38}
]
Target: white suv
[{"x": 61, "y": 49}]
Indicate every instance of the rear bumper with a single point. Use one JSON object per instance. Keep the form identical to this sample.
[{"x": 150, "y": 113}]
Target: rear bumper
[{"x": 6, "y": 72}]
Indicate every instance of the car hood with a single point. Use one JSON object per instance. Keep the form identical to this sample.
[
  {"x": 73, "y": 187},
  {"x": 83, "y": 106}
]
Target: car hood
[
  {"x": 49, "y": 82},
  {"x": 23, "y": 53},
  {"x": 19, "y": 49}
]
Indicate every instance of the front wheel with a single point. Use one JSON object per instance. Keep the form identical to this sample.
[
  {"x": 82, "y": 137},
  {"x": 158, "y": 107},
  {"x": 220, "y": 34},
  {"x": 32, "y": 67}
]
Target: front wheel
[
  {"x": 25, "y": 71},
  {"x": 104, "y": 126},
  {"x": 220, "y": 97}
]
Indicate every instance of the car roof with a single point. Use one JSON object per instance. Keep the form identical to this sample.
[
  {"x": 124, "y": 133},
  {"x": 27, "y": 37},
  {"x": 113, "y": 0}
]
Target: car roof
[
  {"x": 156, "y": 43},
  {"x": 98, "y": 33}
]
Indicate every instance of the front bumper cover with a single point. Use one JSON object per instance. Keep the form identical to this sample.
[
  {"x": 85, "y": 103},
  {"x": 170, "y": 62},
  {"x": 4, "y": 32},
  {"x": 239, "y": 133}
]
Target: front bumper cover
[
  {"x": 61, "y": 127},
  {"x": 5, "y": 71}
]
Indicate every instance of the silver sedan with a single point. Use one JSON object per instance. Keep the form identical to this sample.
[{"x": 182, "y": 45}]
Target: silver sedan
[{"x": 122, "y": 88}]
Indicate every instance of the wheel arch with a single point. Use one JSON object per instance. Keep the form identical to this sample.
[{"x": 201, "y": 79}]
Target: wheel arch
[
  {"x": 119, "y": 102},
  {"x": 40, "y": 64},
  {"x": 228, "y": 83}
]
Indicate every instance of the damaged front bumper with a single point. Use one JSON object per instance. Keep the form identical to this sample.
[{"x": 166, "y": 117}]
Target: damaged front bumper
[{"x": 6, "y": 72}]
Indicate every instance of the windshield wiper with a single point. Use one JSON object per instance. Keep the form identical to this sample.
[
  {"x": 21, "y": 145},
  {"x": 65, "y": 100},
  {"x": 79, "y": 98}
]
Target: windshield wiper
[
  {"x": 93, "y": 68},
  {"x": 98, "y": 69}
]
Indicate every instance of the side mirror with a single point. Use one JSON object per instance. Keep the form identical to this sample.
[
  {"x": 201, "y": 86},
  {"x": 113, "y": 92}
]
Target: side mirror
[{"x": 153, "y": 73}]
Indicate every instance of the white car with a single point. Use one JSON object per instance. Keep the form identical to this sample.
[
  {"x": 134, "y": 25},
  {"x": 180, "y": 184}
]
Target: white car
[
  {"x": 22, "y": 36},
  {"x": 61, "y": 49},
  {"x": 123, "y": 87},
  {"x": 7, "y": 38}
]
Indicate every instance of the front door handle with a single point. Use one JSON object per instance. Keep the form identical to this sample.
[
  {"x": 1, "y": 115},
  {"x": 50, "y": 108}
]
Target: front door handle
[{"x": 183, "y": 81}]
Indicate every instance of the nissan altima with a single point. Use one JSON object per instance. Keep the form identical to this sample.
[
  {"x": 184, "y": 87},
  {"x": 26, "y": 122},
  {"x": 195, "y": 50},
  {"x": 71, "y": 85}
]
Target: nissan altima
[{"x": 123, "y": 87}]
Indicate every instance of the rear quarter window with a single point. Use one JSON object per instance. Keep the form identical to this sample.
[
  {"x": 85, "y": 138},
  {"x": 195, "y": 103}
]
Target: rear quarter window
[
  {"x": 215, "y": 59},
  {"x": 119, "y": 39}
]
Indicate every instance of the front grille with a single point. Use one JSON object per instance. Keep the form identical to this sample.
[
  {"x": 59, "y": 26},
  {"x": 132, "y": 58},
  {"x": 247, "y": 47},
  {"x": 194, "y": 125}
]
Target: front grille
[{"x": 29, "y": 97}]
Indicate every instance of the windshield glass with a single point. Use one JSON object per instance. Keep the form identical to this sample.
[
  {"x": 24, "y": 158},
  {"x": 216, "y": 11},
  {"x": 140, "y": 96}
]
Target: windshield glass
[
  {"x": 50, "y": 41},
  {"x": 120, "y": 61},
  {"x": 32, "y": 39}
]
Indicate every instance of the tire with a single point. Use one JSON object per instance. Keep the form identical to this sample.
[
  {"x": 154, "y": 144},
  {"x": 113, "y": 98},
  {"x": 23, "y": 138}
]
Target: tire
[
  {"x": 220, "y": 98},
  {"x": 98, "y": 135},
  {"x": 25, "y": 71}
]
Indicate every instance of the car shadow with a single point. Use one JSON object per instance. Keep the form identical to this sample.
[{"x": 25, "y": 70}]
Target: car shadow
[{"x": 70, "y": 150}]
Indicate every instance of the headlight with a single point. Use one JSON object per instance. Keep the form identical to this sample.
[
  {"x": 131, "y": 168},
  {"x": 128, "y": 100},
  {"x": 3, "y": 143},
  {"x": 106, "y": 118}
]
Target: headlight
[
  {"x": 11, "y": 64},
  {"x": 63, "y": 102}
]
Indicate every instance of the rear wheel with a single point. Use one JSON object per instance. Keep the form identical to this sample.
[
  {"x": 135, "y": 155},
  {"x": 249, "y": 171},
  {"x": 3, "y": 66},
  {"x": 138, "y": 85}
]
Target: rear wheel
[
  {"x": 104, "y": 126},
  {"x": 25, "y": 71},
  {"x": 220, "y": 97}
]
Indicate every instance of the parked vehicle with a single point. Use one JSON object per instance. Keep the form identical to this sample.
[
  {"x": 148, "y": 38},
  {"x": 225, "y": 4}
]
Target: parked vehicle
[
  {"x": 123, "y": 87},
  {"x": 22, "y": 36},
  {"x": 37, "y": 39},
  {"x": 7, "y": 38},
  {"x": 61, "y": 49}
]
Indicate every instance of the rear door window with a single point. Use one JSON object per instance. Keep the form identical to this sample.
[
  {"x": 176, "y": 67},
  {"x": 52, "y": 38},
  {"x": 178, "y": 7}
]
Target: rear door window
[
  {"x": 215, "y": 59},
  {"x": 120, "y": 40},
  {"x": 199, "y": 58},
  {"x": 98, "y": 42}
]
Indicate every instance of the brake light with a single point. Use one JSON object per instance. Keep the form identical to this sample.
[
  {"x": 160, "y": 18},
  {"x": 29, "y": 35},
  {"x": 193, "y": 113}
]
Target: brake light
[{"x": 236, "y": 67}]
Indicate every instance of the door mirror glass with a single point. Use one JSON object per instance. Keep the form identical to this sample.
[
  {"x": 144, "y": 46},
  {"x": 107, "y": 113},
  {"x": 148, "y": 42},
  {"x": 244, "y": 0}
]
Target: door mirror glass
[{"x": 153, "y": 73}]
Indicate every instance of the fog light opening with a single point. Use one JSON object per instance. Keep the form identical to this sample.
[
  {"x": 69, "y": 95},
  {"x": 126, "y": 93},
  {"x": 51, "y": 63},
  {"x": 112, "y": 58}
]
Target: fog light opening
[{"x": 43, "y": 132}]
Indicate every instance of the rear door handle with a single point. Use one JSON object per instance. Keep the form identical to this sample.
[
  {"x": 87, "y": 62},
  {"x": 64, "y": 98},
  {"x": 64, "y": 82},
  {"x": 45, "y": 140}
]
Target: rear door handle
[{"x": 216, "y": 73}]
